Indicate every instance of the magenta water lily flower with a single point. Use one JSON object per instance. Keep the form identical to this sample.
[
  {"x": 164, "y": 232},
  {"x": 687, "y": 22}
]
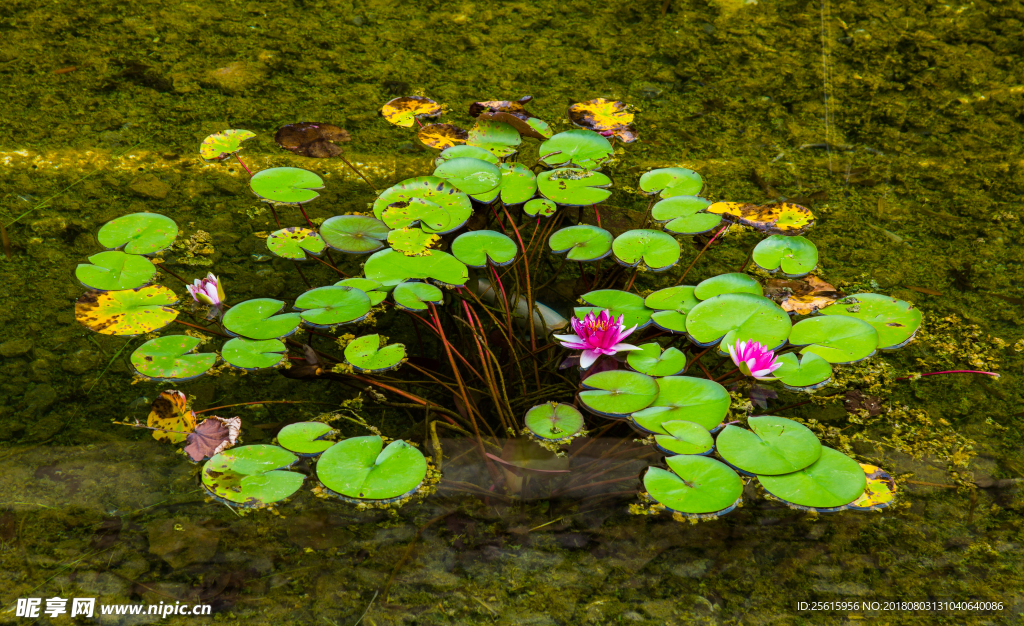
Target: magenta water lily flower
[
  {"x": 754, "y": 359},
  {"x": 207, "y": 291},
  {"x": 597, "y": 335}
]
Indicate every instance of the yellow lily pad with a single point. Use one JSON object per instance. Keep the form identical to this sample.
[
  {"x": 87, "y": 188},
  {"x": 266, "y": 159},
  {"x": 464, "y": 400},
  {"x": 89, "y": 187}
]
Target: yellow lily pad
[
  {"x": 170, "y": 413},
  {"x": 127, "y": 312},
  {"x": 880, "y": 490},
  {"x": 411, "y": 241},
  {"x": 404, "y": 111},
  {"x": 221, "y": 145},
  {"x": 608, "y": 117},
  {"x": 777, "y": 218},
  {"x": 442, "y": 136}
]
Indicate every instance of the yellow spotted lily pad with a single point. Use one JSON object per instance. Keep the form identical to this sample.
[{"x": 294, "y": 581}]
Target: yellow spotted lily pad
[
  {"x": 295, "y": 243},
  {"x": 221, "y": 145},
  {"x": 608, "y": 117},
  {"x": 777, "y": 218},
  {"x": 404, "y": 111},
  {"x": 127, "y": 312},
  {"x": 170, "y": 415},
  {"x": 880, "y": 490},
  {"x": 411, "y": 241},
  {"x": 441, "y": 136}
]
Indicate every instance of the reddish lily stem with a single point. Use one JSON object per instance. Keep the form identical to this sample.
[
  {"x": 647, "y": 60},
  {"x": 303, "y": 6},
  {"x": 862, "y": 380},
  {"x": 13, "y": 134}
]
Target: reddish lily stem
[
  {"x": 504, "y": 297},
  {"x": 205, "y": 330},
  {"x": 227, "y": 406},
  {"x": 597, "y": 216},
  {"x": 915, "y": 376},
  {"x": 243, "y": 165},
  {"x": 701, "y": 253},
  {"x": 497, "y": 218}
]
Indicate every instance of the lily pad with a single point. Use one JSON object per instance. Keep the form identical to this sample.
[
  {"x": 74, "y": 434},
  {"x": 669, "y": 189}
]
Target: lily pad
[
  {"x": 778, "y": 218},
  {"x": 498, "y": 138},
  {"x": 223, "y": 144},
  {"x": 312, "y": 139},
  {"x": 365, "y": 354},
  {"x": 295, "y": 243},
  {"x": 650, "y": 360},
  {"x": 305, "y": 438},
  {"x": 371, "y": 288},
  {"x": 441, "y": 136},
  {"x": 412, "y": 241},
  {"x": 414, "y": 295},
  {"x": 606, "y": 117},
  {"x": 684, "y": 398},
  {"x": 252, "y": 476},
  {"x": 479, "y": 247},
  {"x": 437, "y": 206},
  {"x": 554, "y": 421},
  {"x": 113, "y": 270},
  {"x": 286, "y": 185},
  {"x": 685, "y": 438},
  {"x": 685, "y": 215},
  {"x": 657, "y": 250},
  {"x": 617, "y": 393},
  {"x": 879, "y": 492},
  {"x": 518, "y": 184},
  {"x": 546, "y": 208},
  {"x": 256, "y": 319},
  {"x": 171, "y": 418},
  {"x": 796, "y": 255},
  {"x": 465, "y": 152},
  {"x": 832, "y": 482},
  {"x": 361, "y": 468},
  {"x": 126, "y": 312},
  {"x": 835, "y": 338},
  {"x": 329, "y": 306},
  {"x": 138, "y": 233},
  {"x": 671, "y": 181},
  {"x": 169, "y": 358},
  {"x": 806, "y": 373},
  {"x": 514, "y": 114},
  {"x": 671, "y": 306},
  {"x": 390, "y": 268},
  {"x": 895, "y": 321},
  {"x": 801, "y": 297},
  {"x": 471, "y": 176},
  {"x": 573, "y": 187},
  {"x": 582, "y": 148},
  {"x": 404, "y": 111},
  {"x": 727, "y": 283},
  {"x": 250, "y": 355},
  {"x": 772, "y": 446},
  {"x": 695, "y": 486},
  {"x": 733, "y": 317},
  {"x": 583, "y": 243},
  {"x": 619, "y": 303},
  {"x": 354, "y": 234}
]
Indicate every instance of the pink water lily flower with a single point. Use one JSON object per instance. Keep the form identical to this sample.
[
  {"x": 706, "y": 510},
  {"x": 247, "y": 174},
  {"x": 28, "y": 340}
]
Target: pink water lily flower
[
  {"x": 754, "y": 359},
  {"x": 598, "y": 335},
  {"x": 207, "y": 291}
]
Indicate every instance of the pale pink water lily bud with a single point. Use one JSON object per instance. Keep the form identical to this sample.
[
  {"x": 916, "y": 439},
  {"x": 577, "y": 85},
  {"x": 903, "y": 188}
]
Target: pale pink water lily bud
[
  {"x": 207, "y": 291},
  {"x": 754, "y": 359},
  {"x": 597, "y": 335}
]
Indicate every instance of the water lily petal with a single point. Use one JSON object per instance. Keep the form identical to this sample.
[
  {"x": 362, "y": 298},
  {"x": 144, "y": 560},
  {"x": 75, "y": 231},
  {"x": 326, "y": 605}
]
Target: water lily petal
[{"x": 587, "y": 358}]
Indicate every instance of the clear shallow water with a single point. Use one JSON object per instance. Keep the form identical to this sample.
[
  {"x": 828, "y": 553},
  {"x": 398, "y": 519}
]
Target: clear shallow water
[{"x": 919, "y": 192}]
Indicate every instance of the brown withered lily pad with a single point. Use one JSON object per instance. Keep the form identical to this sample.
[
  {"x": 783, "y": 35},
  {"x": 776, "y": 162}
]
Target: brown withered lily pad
[
  {"x": 441, "y": 136},
  {"x": 608, "y": 117},
  {"x": 312, "y": 139},
  {"x": 856, "y": 400},
  {"x": 513, "y": 113},
  {"x": 212, "y": 436},
  {"x": 802, "y": 297},
  {"x": 404, "y": 111},
  {"x": 777, "y": 218}
]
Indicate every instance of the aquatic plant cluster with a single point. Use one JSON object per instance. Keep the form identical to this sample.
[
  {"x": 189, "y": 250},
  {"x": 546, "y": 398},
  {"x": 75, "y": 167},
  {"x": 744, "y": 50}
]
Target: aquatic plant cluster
[{"x": 459, "y": 252}]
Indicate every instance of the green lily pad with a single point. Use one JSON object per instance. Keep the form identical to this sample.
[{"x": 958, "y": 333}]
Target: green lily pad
[
  {"x": 539, "y": 126},
  {"x": 617, "y": 393},
  {"x": 126, "y": 312},
  {"x": 354, "y": 234},
  {"x": 796, "y": 255},
  {"x": 895, "y": 321},
  {"x": 169, "y": 358},
  {"x": 412, "y": 241},
  {"x": 696, "y": 400},
  {"x": 138, "y": 233},
  {"x": 671, "y": 181},
  {"x": 437, "y": 206},
  {"x": 329, "y": 306},
  {"x": 498, "y": 138},
  {"x": 286, "y": 185},
  {"x": 252, "y": 476},
  {"x": 471, "y": 176},
  {"x": 583, "y": 243},
  {"x": 619, "y": 303},
  {"x": 256, "y": 319},
  {"x": 650, "y": 360},
  {"x": 582, "y": 148},
  {"x": 806, "y": 373},
  {"x": 365, "y": 354},
  {"x": 305, "y": 438},
  {"x": 479, "y": 247},
  {"x": 733, "y": 317},
  {"x": 250, "y": 355},
  {"x": 371, "y": 288},
  {"x": 832, "y": 482},
  {"x": 685, "y": 215},
  {"x": 657, "y": 250},
  {"x": 671, "y": 306},
  {"x": 361, "y": 468},
  {"x": 570, "y": 186},
  {"x": 518, "y": 184},
  {"x": 695, "y": 486},
  {"x": 295, "y": 243},
  {"x": 727, "y": 283},
  {"x": 465, "y": 152},
  {"x": 684, "y": 438},
  {"x": 554, "y": 421},
  {"x": 772, "y": 446},
  {"x": 414, "y": 296},
  {"x": 835, "y": 338},
  {"x": 223, "y": 144},
  {"x": 113, "y": 270},
  {"x": 390, "y": 268},
  {"x": 546, "y": 208}
]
